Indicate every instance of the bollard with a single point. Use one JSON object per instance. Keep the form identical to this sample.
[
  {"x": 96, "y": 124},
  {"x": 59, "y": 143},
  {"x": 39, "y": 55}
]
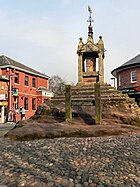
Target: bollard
[
  {"x": 98, "y": 105},
  {"x": 68, "y": 107}
]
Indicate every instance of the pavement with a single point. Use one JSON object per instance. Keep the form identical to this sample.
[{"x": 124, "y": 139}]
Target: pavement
[
  {"x": 5, "y": 127},
  {"x": 112, "y": 161}
]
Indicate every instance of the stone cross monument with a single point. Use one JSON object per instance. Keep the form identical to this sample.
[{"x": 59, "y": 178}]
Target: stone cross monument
[{"x": 88, "y": 55}]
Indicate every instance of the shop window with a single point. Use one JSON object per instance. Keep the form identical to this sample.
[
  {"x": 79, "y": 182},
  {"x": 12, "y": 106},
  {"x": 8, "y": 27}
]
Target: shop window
[
  {"x": 33, "y": 104},
  {"x": 26, "y": 103},
  {"x": 133, "y": 76},
  {"x": 33, "y": 82},
  {"x": 17, "y": 78},
  {"x": 15, "y": 102},
  {"x": 26, "y": 80}
]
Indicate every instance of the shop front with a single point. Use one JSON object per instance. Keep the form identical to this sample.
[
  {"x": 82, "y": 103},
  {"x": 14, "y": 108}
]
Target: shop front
[{"x": 3, "y": 111}]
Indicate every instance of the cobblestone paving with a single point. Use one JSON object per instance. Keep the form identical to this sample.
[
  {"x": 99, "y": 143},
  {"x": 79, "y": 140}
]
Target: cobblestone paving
[
  {"x": 5, "y": 127},
  {"x": 71, "y": 162}
]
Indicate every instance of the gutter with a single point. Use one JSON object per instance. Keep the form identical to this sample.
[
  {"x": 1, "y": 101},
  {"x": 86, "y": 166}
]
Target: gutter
[
  {"x": 24, "y": 70},
  {"x": 121, "y": 68}
]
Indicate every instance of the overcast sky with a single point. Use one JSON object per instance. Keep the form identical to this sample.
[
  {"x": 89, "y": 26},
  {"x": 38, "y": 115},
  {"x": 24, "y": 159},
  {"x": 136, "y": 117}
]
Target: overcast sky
[{"x": 44, "y": 34}]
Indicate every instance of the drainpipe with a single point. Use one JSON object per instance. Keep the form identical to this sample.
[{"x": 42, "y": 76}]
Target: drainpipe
[{"x": 10, "y": 91}]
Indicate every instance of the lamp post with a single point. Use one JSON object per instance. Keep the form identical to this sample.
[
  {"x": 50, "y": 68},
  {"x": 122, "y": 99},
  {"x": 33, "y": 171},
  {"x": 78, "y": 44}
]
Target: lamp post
[{"x": 112, "y": 78}]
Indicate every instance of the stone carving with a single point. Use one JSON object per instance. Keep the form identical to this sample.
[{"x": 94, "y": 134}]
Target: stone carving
[{"x": 80, "y": 45}]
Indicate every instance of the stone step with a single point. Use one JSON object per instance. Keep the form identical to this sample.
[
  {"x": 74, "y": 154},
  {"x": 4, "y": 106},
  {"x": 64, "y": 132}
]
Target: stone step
[
  {"x": 75, "y": 96},
  {"x": 76, "y": 92},
  {"x": 87, "y": 92},
  {"x": 85, "y": 95},
  {"x": 91, "y": 92},
  {"x": 90, "y": 99},
  {"x": 78, "y": 96},
  {"x": 92, "y": 89},
  {"x": 88, "y": 87}
]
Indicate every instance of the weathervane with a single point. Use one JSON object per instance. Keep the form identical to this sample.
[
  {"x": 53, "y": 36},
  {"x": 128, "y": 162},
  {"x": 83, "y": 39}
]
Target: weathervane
[{"x": 90, "y": 20}]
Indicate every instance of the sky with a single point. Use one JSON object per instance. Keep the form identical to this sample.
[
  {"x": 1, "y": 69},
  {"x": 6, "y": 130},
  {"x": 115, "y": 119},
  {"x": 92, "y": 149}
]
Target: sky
[{"x": 44, "y": 34}]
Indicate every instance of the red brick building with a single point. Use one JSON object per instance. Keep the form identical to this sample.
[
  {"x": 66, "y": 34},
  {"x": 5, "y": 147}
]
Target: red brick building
[
  {"x": 3, "y": 97},
  {"x": 27, "y": 87},
  {"x": 128, "y": 77}
]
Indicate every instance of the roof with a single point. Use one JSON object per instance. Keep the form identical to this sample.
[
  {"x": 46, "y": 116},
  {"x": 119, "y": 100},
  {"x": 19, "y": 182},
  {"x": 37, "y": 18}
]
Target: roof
[
  {"x": 131, "y": 63},
  {"x": 6, "y": 62}
]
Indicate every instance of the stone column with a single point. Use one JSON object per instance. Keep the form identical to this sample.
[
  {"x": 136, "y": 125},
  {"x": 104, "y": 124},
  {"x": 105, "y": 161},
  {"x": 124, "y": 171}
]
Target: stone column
[
  {"x": 80, "y": 69},
  {"x": 101, "y": 68},
  {"x": 101, "y": 60},
  {"x": 98, "y": 105},
  {"x": 68, "y": 106}
]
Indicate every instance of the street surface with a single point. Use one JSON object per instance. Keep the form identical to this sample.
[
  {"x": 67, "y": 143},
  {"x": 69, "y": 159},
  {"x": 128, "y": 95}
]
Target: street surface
[
  {"x": 4, "y": 128},
  {"x": 70, "y": 162}
]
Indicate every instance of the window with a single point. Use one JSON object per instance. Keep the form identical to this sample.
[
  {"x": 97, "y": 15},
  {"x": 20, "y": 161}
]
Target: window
[
  {"x": 26, "y": 103},
  {"x": 15, "y": 102},
  {"x": 33, "y": 104},
  {"x": 133, "y": 76},
  {"x": 26, "y": 80},
  {"x": 33, "y": 82},
  {"x": 17, "y": 78}
]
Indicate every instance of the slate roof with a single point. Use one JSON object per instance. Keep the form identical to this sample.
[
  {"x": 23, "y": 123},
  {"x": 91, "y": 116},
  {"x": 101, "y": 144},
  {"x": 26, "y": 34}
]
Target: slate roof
[
  {"x": 131, "y": 63},
  {"x": 6, "y": 62}
]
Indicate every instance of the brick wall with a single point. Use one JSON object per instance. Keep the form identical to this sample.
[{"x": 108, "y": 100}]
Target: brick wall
[
  {"x": 25, "y": 91},
  {"x": 4, "y": 88},
  {"x": 125, "y": 78}
]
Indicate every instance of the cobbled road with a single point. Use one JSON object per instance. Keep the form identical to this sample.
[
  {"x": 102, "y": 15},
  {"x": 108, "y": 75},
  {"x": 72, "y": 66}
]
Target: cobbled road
[
  {"x": 71, "y": 162},
  {"x": 4, "y": 128}
]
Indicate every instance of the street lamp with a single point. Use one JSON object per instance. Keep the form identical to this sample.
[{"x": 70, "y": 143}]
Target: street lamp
[{"x": 112, "y": 78}]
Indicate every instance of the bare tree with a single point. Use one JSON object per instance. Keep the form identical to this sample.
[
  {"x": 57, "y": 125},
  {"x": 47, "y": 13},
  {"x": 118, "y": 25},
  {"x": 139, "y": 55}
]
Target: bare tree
[{"x": 57, "y": 85}]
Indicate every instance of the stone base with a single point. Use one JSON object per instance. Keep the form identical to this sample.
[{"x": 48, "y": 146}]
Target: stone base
[
  {"x": 83, "y": 84},
  {"x": 90, "y": 77}
]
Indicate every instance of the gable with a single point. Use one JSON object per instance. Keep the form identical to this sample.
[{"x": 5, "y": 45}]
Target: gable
[{"x": 89, "y": 47}]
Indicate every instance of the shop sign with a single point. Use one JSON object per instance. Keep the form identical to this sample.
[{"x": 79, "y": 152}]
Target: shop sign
[
  {"x": 15, "y": 91},
  {"x": 4, "y": 103},
  {"x": 48, "y": 94}
]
